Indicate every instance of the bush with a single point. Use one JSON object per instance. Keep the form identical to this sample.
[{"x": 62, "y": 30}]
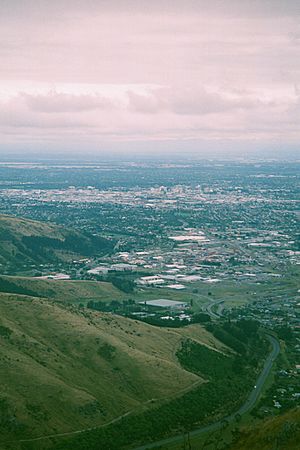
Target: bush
[
  {"x": 4, "y": 331},
  {"x": 123, "y": 284},
  {"x": 107, "y": 352}
]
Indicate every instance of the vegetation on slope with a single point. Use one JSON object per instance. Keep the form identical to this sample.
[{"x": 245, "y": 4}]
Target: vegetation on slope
[
  {"x": 66, "y": 291},
  {"x": 226, "y": 388},
  {"x": 9, "y": 286},
  {"x": 64, "y": 368},
  {"x": 282, "y": 432},
  {"x": 26, "y": 241}
]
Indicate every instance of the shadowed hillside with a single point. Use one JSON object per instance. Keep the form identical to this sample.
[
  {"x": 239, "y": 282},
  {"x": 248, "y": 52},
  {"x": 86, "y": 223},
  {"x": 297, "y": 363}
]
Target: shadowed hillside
[{"x": 24, "y": 242}]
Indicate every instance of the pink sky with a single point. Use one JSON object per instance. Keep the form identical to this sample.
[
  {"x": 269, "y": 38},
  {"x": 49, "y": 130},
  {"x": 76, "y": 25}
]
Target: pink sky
[{"x": 102, "y": 74}]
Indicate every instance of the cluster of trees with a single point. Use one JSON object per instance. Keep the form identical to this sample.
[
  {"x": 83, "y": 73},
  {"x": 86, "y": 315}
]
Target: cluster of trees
[
  {"x": 83, "y": 244},
  {"x": 121, "y": 283},
  {"x": 236, "y": 335},
  {"x": 5, "y": 331},
  {"x": 12, "y": 288},
  {"x": 201, "y": 318},
  {"x": 284, "y": 332},
  {"x": 203, "y": 361},
  {"x": 112, "y": 306},
  {"x": 107, "y": 351}
]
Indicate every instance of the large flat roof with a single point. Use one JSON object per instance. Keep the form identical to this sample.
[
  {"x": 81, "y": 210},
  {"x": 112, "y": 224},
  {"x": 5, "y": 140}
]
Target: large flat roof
[{"x": 163, "y": 303}]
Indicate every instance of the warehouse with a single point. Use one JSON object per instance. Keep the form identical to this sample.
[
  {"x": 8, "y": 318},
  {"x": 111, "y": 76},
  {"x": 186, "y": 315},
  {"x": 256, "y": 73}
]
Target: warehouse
[{"x": 164, "y": 303}]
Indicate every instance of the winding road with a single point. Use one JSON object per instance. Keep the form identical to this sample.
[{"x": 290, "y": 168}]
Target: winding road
[
  {"x": 208, "y": 309},
  {"x": 246, "y": 407}
]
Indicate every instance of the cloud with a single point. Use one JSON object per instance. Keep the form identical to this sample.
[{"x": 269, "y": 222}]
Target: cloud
[
  {"x": 175, "y": 113},
  {"x": 195, "y": 100},
  {"x": 229, "y": 7},
  {"x": 138, "y": 70},
  {"x": 15, "y": 114},
  {"x": 55, "y": 102}
]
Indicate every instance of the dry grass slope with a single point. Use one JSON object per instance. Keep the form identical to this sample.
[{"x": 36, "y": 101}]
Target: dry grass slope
[
  {"x": 282, "y": 433},
  {"x": 64, "y": 369},
  {"x": 27, "y": 227},
  {"x": 68, "y": 290}
]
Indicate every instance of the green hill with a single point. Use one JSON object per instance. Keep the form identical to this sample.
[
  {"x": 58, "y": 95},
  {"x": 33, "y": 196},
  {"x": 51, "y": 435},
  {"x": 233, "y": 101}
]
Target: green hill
[
  {"x": 66, "y": 291},
  {"x": 63, "y": 368},
  {"x": 25, "y": 242}
]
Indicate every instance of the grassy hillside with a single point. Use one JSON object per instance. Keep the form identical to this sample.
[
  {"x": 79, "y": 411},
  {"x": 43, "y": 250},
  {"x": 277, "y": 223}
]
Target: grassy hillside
[
  {"x": 282, "y": 432},
  {"x": 67, "y": 291},
  {"x": 64, "y": 369},
  {"x": 24, "y": 242}
]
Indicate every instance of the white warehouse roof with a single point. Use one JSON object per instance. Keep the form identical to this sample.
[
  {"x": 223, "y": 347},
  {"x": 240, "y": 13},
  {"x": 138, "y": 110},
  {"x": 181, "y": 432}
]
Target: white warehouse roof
[{"x": 164, "y": 303}]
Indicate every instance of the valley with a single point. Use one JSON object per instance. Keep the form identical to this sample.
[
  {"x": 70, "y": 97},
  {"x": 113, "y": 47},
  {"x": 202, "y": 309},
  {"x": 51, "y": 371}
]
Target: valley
[{"x": 156, "y": 333}]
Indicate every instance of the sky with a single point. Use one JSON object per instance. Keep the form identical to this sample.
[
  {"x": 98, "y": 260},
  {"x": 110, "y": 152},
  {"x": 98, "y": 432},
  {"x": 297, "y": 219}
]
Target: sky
[{"x": 209, "y": 78}]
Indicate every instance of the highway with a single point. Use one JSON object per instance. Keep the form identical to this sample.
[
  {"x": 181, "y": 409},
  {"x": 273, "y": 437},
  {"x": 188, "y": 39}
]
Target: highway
[
  {"x": 208, "y": 309},
  {"x": 246, "y": 407}
]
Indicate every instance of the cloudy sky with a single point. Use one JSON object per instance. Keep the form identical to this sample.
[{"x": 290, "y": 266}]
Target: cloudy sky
[{"x": 197, "y": 76}]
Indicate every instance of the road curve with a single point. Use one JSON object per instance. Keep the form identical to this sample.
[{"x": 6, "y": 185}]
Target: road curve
[
  {"x": 246, "y": 407},
  {"x": 208, "y": 309}
]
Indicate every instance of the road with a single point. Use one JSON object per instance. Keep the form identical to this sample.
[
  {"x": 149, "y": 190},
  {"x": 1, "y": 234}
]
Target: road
[
  {"x": 208, "y": 309},
  {"x": 246, "y": 407}
]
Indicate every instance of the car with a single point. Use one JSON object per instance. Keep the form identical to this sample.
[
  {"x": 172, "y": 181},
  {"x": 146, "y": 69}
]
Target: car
[{"x": 255, "y": 386}]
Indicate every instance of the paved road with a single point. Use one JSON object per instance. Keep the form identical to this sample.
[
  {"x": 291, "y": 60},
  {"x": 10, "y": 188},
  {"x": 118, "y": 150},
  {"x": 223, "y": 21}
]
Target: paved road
[
  {"x": 246, "y": 407},
  {"x": 208, "y": 309}
]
